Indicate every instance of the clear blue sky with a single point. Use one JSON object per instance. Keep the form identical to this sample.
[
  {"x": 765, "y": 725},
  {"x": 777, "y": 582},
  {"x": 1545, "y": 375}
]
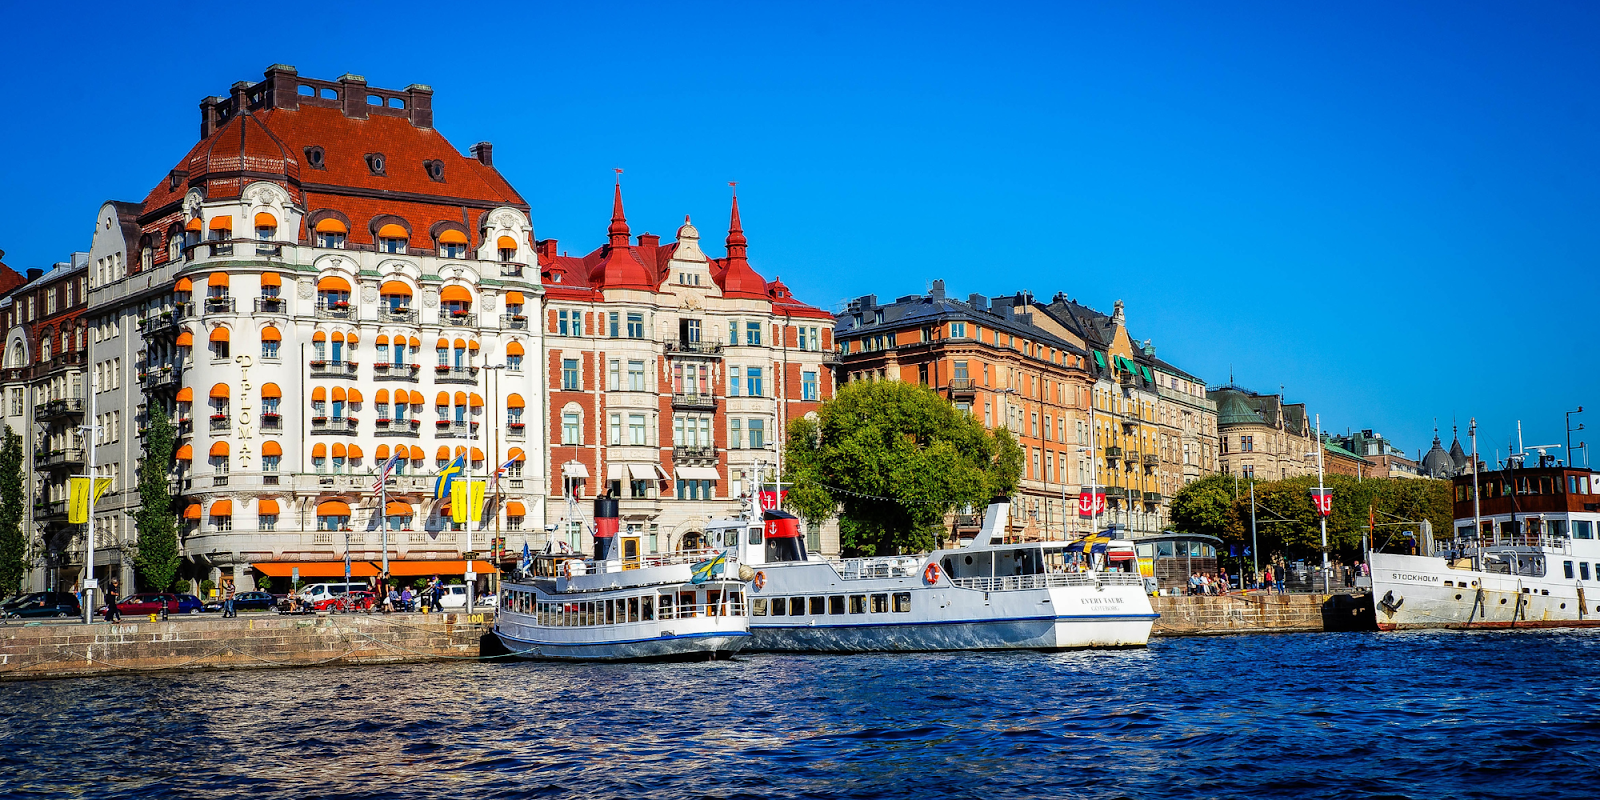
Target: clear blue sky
[{"x": 1388, "y": 209}]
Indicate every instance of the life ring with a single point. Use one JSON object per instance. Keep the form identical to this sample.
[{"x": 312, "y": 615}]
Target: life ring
[
  {"x": 566, "y": 569},
  {"x": 760, "y": 581},
  {"x": 931, "y": 574}
]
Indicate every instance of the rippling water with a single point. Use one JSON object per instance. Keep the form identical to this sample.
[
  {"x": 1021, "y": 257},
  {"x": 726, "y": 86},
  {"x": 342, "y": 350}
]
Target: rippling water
[{"x": 1420, "y": 715}]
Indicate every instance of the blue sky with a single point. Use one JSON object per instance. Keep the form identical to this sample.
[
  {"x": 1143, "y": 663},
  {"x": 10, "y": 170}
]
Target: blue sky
[{"x": 1388, "y": 209}]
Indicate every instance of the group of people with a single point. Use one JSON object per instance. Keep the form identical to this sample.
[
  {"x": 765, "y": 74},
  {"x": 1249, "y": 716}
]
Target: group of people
[
  {"x": 403, "y": 599},
  {"x": 1205, "y": 583}
]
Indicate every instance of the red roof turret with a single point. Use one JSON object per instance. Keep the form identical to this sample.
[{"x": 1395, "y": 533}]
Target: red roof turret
[{"x": 737, "y": 278}]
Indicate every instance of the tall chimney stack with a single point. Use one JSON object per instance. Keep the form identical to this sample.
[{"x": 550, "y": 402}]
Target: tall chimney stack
[
  {"x": 484, "y": 152},
  {"x": 353, "y": 90},
  {"x": 419, "y": 104}
]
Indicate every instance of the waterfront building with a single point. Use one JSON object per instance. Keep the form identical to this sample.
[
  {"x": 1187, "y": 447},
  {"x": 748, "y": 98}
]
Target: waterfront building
[
  {"x": 42, "y": 388},
  {"x": 1261, "y": 436},
  {"x": 1337, "y": 460},
  {"x": 1388, "y": 461},
  {"x": 671, "y": 378},
  {"x": 1439, "y": 463},
  {"x": 326, "y": 282}
]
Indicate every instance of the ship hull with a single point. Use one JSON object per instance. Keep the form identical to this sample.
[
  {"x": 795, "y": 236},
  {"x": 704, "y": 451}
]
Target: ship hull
[
  {"x": 1420, "y": 592},
  {"x": 708, "y": 646}
]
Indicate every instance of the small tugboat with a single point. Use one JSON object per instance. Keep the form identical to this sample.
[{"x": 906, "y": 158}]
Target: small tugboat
[
  {"x": 622, "y": 606},
  {"x": 988, "y": 594},
  {"x": 1524, "y": 554}
]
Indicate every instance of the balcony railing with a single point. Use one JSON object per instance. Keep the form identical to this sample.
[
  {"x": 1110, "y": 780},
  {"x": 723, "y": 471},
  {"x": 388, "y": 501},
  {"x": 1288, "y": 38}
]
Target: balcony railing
[
  {"x": 396, "y": 315},
  {"x": 694, "y": 348},
  {"x": 398, "y": 427},
  {"x": 333, "y": 369},
  {"x": 964, "y": 387},
  {"x": 511, "y": 269},
  {"x": 455, "y": 430},
  {"x": 446, "y": 374},
  {"x": 219, "y": 422},
  {"x": 1113, "y": 452},
  {"x": 699, "y": 402},
  {"x": 325, "y": 425},
  {"x": 338, "y": 311},
  {"x": 514, "y": 321},
  {"x": 1152, "y": 460},
  {"x": 458, "y": 319},
  {"x": 219, "y": 305},
  {"x": 694, "y": 453},
  {"x": 516, "y": 430},
  {"x": 163, "y": 322},
  {"x": 60, "y": 407},
  {"x": 272, "y": 305},
  {"x": 70, "y": 455},
  {"x": 395, "y": 372},
  {"x": 271, "y": 422},
  {"x": 1152, "y": 497}
]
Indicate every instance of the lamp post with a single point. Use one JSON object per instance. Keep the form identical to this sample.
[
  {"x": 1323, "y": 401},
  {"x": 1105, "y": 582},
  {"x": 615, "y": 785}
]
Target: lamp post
[{"x": 1322, "y": 518}]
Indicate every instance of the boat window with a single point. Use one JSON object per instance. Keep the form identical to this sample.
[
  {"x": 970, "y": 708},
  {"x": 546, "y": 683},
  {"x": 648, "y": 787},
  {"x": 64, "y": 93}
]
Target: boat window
[
  {"x": 1566, "y": 567},
  {"x": 755, "y": 536},
  {"x": 1583, "y": 570},
  {"x": 880, "y": 604},
  {"x": 836, "y": 604},
  {"x": 779, "y": 607},
  {"x": 633, "y": 609},
  {"x": 736, "y": 603},
  {"x": 1194, "y": 550},
  {"x": 647, "y": 608},
  {"x": 664, "y": 602},
  {"x": 1164, "y": 550},
  {"x": 797, "y": 606},
  {"x": 686, "y": 606},
  {"x": 818, "y": 606},
  {"x": 902, "y": 602},
  {"x": 858, "y": 604},
  {"x": 713, "y": 603},
  {"x": 1558, "y": 527},
  {"x": 611, "y": 612},
  {"x": 1582, "y": 529},
  {"x": 759, "y": 607}
]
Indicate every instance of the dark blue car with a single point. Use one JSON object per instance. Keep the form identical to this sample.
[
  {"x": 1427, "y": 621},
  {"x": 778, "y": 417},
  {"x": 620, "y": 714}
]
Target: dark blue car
[{"x": 44, "y": 604}]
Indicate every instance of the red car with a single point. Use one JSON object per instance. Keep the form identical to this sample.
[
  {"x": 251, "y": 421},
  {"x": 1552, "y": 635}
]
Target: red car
[{"x": 351, "y": 601}]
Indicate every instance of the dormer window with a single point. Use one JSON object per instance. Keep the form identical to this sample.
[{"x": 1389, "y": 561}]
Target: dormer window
[
  {"x": 453, "y": 244},
  {"x": 315, "y": 158},
  {"x": 392, "y": 239},
  {"x": 375, "y": 162},
  {"x": 435, "y": 170},
  {"x": 331, "y": 234},
  {"x": 508, "y": 249},
  {"x": 266, "y": 232}
]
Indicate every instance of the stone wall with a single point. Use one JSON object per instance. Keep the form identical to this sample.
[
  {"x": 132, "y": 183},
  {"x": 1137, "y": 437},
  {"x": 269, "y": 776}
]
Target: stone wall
[
  {"x": 1261, "y": 613},
  {"x": 247, "y": 642}
]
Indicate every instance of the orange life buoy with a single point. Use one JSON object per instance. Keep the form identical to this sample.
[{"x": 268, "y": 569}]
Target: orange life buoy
[
  {"x": 760, "y": 581},
  {"x": 566, "y": 569},
  {"x": 931, "y": 574}
]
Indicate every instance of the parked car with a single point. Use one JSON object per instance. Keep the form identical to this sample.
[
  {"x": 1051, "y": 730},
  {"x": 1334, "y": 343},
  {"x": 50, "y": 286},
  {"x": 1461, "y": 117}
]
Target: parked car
[
  {"x": 152, "y": 602},
  {"x": 454, "y": 596},
  {"x": 43, "y": 604},
  {"x": 247, "y": 601}
]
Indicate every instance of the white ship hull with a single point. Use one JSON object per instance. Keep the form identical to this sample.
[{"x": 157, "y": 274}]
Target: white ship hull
[
  {"x": 574, "y": 620},
  {"x": 1424, "y": 592}
]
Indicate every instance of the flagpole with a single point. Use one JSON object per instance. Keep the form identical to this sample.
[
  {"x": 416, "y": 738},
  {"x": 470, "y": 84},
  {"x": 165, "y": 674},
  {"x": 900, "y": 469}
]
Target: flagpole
[
  {"x": 88, "y": 582},
  {"x": 383, "y": 515}
]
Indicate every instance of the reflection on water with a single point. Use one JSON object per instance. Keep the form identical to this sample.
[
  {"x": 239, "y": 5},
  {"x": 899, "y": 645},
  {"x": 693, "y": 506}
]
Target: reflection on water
[{"x": 1304, "y": 716}]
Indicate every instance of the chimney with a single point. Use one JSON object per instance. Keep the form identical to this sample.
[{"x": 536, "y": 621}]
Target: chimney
[
  {"x": 283, "y": 88},
  {"x": 649, "y": 240},
  {"x": 546, "y": 247},
  {"x": 34, "y": 273},
  {"x": 419, "y": 102},
  {"x": 978, "y": 301},
  {"x": 239, "y": 95},
  {"x": 208, "y": 117},
  {"x": 938, "y": 290},
  {"x": 353, "y": 90},
  {"x": 484, "y": 152}
]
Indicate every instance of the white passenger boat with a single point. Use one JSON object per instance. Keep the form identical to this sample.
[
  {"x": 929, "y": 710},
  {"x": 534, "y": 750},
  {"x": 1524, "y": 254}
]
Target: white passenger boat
[
  {"x": 989, "y": 594},
  {"x": 623, "y": 606},
  {"x": 1525, "y": 556}
]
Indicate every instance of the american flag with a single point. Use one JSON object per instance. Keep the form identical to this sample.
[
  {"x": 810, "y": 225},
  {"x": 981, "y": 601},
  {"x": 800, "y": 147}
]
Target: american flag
[{"x": 383, "y": 471}]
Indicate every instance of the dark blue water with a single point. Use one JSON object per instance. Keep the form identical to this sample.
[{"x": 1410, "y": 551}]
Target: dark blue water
[{"x": 1423, "y": 715}]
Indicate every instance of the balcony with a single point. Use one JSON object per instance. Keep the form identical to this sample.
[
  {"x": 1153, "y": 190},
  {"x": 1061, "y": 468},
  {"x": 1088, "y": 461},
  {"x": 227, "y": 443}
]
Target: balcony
[
  {"x": 165, "y": 322},
  {"x": 969, "y": 520},
  {"x": 178, "y": 486},
  {"x": 458, "y": 319},
  {"x": 694, "y": 402},
  {"x": 511, "y": 269},
  {"x": 1113, "y": 453},
  {"x": 337, "y": 311},
  {"x": 516, "y": 322},
  {"x": 271, "y": 421},
  {"x": 395, "y": 372},
  {"x": 333, "y": 369},
  {"x": 397, "y": 315},
  {"x": 219, "y": 422},
  {"x": 447, "y": 374},
  {"x": 219, "y": 305},
  {"x": 1152, "y": 497},
  {"x": 446, "y": 429},
  {"x": 63, "y": 407},
  {"x": 272, "y": 305},
  {"x": 963, "y": 388},
  {"x": 683, "y": 453},
  {"x": 832, "y": 357},
  {"x": 694, "y": 348},
  {"x": 1151, "y": 460},
  {"x": 51, "y": 511},
  {"x": 61, "y": 458},
  {"x": 516, "y": 430},
  {"x": 330, "y": 425},
  {"x": 398, "y": 427}
]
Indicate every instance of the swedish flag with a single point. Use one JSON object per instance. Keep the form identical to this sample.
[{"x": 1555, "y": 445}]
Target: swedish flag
[
  {"x": 447, "y": 476},
  {"x": 712, "y": 568}
]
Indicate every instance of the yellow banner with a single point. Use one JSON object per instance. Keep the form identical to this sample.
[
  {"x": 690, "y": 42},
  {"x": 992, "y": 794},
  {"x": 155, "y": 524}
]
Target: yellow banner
[
  {"x": 78, "y": 498},
  {"x": 466, "y": 500}
]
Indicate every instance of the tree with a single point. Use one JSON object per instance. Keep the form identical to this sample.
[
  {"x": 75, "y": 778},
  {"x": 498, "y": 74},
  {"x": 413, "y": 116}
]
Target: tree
[
  {"x": 891, "y": 459},
  {"x": 1206, "y": 505},
  {"x": 13, "y": 544},
  {"x": 157, "y": 556},
  {"x": 1287, "y": 521}
]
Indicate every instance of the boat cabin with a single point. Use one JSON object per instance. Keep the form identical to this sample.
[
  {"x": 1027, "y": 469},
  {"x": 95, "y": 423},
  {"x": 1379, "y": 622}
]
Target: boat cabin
[{"x": 1172, "y": 557}]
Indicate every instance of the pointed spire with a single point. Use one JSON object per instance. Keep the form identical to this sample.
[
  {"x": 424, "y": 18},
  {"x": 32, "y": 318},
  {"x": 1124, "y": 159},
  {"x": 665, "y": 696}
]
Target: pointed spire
[
  {"x": 618, "y": 231},
  {"x": 736, "y": 241}
]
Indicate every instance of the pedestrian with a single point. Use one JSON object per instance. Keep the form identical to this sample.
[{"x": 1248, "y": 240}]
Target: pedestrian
[
  {"x": 113, "y": 614},
  {"x": 1194, "y": 583},
  {"x": 1266, "y": 578},
  {"x": 1350, "y": 577},
  {"x": 227, "y": 602},
  {"x": 390, "y": 599},
  {"x": 437, "y": 590},
  {"x": 1281, "y": 574},
  {"x": 1223, "y": 579}
]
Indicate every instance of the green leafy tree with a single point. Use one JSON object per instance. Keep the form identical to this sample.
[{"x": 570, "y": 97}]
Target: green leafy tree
[
  {"x": 1207, "y": 505},
  {"x": 13, "y": 544},
  {"x": 891, "y": 459},
  {"x": 1287, "y": 523},
  {"x": 157, "y": 557}
]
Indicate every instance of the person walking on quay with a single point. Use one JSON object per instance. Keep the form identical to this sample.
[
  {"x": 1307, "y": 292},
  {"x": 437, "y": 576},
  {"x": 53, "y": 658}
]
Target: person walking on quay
[
  {"x": 113, "y": 614},
  {"x": 1281, "y": 573},
  {"x": 1222, "y": 580},
  {"x": 436, "y": 589},
  {"x": 227, "y": 602},
  {"x": 1266, "y": 577}
]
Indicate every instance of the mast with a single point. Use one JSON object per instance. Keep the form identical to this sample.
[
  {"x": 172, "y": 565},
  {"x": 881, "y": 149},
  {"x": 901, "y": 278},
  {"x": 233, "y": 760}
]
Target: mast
[{"x": 1477, "y": 518}]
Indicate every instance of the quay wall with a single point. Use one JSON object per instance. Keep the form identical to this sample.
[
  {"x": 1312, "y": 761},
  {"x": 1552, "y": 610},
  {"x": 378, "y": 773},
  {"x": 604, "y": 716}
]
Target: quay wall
[
  {"x": 1262, "y": 613},
  {"x": 250, "y": 641}
]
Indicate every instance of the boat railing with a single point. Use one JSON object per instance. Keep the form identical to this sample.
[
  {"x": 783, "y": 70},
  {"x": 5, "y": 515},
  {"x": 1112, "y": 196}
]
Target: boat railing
[
  {"x": 1509, "y": 540},
  {"x": 682, "y": 557},
  {"x": 1002, "y": 583},
  {"x": 701, "y": 610},
  {"x": 854, "y": 569}
]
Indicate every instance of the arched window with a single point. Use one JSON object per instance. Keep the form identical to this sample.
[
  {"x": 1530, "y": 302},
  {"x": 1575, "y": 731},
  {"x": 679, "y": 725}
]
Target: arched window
[
  {"x": 453, "y": 244},
  {"x": 266, "y": 232},
  {"x": 331, "y": 234},
  {"x": 333, "y": 296},
  {"x": 508, "y": 249},
  {"x": 17, "y": 357},
  {"x": 44, "y": 348},
  {"x": 392, "y": 239}
]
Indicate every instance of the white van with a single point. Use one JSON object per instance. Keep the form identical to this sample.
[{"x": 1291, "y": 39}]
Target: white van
[
  {"x": 317, "y": 592},
  {"x": 454, "y": 596}
]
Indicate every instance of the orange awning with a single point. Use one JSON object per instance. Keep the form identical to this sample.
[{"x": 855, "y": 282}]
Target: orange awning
[
  {"x": 506, "y": 243},
  {"x": 444, "y": 344},
  {"x": 333, "y": 283},
  {"x": 337, "y": 337},
  {"x": 271, "y": 279},
  {"x": 477, "y": 455},
  {"x": 455, "y": 294},
  {"x": 392, "y": 231},
  {"x": 265, "y": 220},
  {"x": 395, "y": 288},
  {"x": 333, "y": 508},
  {"x": 383, "y": 452},
  {"x": 223, "y": 222},
  {"x": 219, "y": 449},
  {"x": 472, "y": 344},
  {"x": 271, "y": 390},
  {"x": 271, "y": 448},
  {"x": 222, "y": 508},
  {"x": 217, "y": 279},
  {"x": 380, "y": 398},
  {"x": 355, "y": 451},
  {"x": 331, "y": 226},
  {"x": 192, "y": 512},
  {"x": 398, "y": 509},
  {"x": 194, "y": 225},
  {"x": 477, "y": 400},
  {"x": 461, "y": 344},
  {"x": 444, "y": 452},
  {"x": 442, "y": 400},
  {"x": 271, "y": 334},
  {"x": 319, "y": 450},
  {"x": 415, "y": 568},
  {"x": 515, "y": 400},
  {"x": 452, "y": 237},
  {"x": 382, "y": 340},
  {"x": 338, "y": 394},
  {"x": 461, "y": 398},
  {"x": 186, "y": 339},
  {"x": 416, "y": 397},
  {"x": 266, "y": 505},
  {"x": 338, "y": 450},
  {"x": 515, "y": 509},
  {"x": 219, "y": 334},
  {"x": 355, "y": 395},
  {"x": 516, "y": 454},
  {"x": 184, "y": 285},
  {"x": 319, "y": 394},
  {"x": 186, "y": 394},
  {"x": 415, "y": 342},
  {"x": 319, "y": 336},
  {"x": 185, "y": 453},
  {"x": 353, "y": 339},
  {"x": 514, "y": 348},
  {"x": 219, "y": 390},
  {"x": 316, "y": 569},
  {"x": 461, "y": 449},
  {"x": 514, "y": 298},
  {"x": 417, "y": 454}
]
